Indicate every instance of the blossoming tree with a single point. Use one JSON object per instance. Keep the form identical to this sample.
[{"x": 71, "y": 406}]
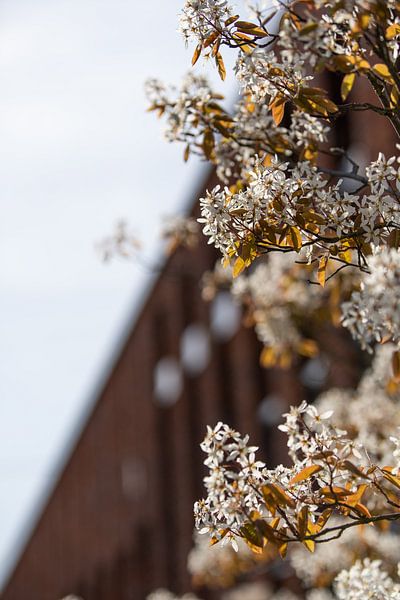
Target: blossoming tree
[{"x": 302, "y": 226}]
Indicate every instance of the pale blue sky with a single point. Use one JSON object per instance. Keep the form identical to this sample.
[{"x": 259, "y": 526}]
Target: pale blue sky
[{"x": 77, "y": 153}]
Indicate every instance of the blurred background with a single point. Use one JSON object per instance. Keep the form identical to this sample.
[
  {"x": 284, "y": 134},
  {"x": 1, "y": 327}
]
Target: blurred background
[{"x": 78, "y": 153}]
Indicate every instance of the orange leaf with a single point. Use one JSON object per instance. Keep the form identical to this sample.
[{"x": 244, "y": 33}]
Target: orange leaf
[
  {"x": 220, "y": 65},
  {"x": 383, "y": 71},
  {"x": 347, "y": 85},
  {"x": 278, "y": 109},
  {"x": 196, "y": 54},
  {"x": 305, "y": 474},
  {"x": 296, "y": 238},
  {"x": 278, "y": 494},
  {"x": 396, "y": 366},
  {"x": 392, "y": 31},
  {"x": 394, "y": 480},
  {"x": 323, "y": 261}
]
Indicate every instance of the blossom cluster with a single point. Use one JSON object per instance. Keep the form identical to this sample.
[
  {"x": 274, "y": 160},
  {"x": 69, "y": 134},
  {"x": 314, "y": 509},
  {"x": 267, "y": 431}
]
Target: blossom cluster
[
  {"x": 309, "y": 435},
  {"x": 241, "y": 489},
  {"x": 236, "y": 140},
  {"x": 321, "y": 567},
  {"x": 372, "y": 313},
  {"x": 366, "y": 579},
  {"x": 200, "y": 18},
  {"x": 219, "y": 566},
  {"x": 329, "y": 468},
  {"x": 263, "y": 74},
  {"x": 180, "y": 107},
  {"x": 122, "y": 243},
  {"x": 234, "y": 476},
  {"x": 253, "y": 128},
  {"x": 370, "y": 414},
  {"x": 300, "y": 197},
  {"x": 325, "y": 35},
  {"x": 275, "y": 292},
  {"x": 180, "y": 231}
]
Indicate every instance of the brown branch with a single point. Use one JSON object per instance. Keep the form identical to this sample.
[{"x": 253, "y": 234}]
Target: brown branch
[{"x": 340, "y": 529}]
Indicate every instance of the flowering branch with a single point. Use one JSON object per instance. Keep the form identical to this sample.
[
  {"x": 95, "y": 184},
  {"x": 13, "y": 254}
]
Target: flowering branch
[{"x": 331, "y": 475}]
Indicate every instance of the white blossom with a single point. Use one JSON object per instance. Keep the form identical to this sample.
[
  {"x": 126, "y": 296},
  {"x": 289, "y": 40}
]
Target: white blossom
[
  {"x": 180, "y": 230},
  {"x": 263, "y": 74},
  {"x": 328, "y": 560},
  {"x": 200, "y": 18},
  {"x": 372, "y": 314},
  {"x": 179, "y": 106},
  {"x": 366, "y": 581},
  {"x": 235, "y": 476},
  {"x": 369, "y": 413},
  {"x": 276, "y": 291},
  {"x": 219, "y": 565},
  {"x": 396, "y": 453}
]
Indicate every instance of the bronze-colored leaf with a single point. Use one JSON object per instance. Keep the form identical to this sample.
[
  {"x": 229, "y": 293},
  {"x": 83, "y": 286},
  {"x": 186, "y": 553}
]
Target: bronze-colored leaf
[
  {"x": 186, "y": 153},
  {"x": 211, "y": 39},
  {"x": 208, "y": 143},
  {"x": 396, "y": 365},
  {"x": 220, "y": 65},
  {"x": 238, "y": 266},
  {"x": 279, "y": 495},
  {"x": 196, "y": 54},
  {"x": 305, "y": 474},
  {"x": 296, "y": 238},
  {"x": 323, "y": 261},
  {"x": 347, "y": 85},
  {"x": 383, "y": 71},
  {"x": 246, "y": 25},
  {"x": 231, "y": 20},
  {"x": 392, "y": 31}
]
